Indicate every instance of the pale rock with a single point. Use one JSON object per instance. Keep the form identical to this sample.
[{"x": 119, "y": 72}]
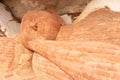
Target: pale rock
[
  {"x": 67, "y": 18},
  {"x": 94, "y": 5},
  {"x": 7, "y": 23}
]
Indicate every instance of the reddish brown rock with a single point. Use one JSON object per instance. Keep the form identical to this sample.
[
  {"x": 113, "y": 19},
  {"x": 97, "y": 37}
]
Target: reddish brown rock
[{"x": 40, "y": 24}]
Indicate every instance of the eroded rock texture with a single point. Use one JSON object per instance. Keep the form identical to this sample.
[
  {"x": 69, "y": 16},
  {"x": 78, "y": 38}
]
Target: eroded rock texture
[
  {"x": 15, "y": 60},
  {"x": 48, "y": 70},
  {"x": 40, "y": 24},
  {"x": 86, "y": 50},
  {"x": 101, "y": 25},
  {"x": 82, "y": 60},
  {"x": 94, "y": 5}
]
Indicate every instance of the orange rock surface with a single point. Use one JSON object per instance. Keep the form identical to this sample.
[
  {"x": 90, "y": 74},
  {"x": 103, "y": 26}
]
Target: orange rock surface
[
  {"x": 40, "y": 24},
  {"x": 101, "y": 25},
  {"x": 82, "y": 60},
  {"x": 88, "y": 50}
]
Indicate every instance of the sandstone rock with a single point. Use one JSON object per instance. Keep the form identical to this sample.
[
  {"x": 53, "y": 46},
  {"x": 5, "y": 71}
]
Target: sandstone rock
[
  {"x": 82, "y": 59},
  {"x": 8, "y": 57},
  {"x": 94, "y": 5},
  {"x": 40, "y": 24},
  {"x": 101, "y": 25},
  {"x": 42, "y": 66},
  {"x": 15, "y": 60},
  {"x": 7, "y": 22}
]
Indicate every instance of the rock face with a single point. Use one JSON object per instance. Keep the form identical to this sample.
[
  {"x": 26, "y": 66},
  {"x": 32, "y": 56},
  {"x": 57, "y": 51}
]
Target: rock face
[
  {"x": 40, "y": 24},
  {"x": 7, "y": 23},
  {"x": 48, "y": 70},
  {"x": 7, "y": 54},
  {"x": 25, "y": 5},
  {"x": 98, "y": 4},
  {"x": 86, "y": 46},
  {"x": 15, "y": 60},
  {"x": 62, "y": 6},
  {"x": 82, "y": 59},
  {"x": 86, "y": 50},
  {"x": 101, "y": 25}
]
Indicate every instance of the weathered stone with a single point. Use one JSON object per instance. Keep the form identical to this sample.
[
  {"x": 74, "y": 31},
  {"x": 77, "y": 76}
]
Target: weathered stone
[
  {"x": 8, "y": 25},
  {"x": 94, "y": 5},
  {"x": 15, "y": 60},
  {"x": 101, "y": 25},
  {"x": 82, "y": 60},
  {"x": 62, "y": 6},
  {"x": 49, "y": 69},
  {"x": 40, "y": 24}
]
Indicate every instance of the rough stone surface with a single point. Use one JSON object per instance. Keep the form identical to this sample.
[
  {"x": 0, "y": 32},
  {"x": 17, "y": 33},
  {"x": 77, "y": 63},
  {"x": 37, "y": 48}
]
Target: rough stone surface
[
  {"x": 15, "y": 60},
  {"x": 62, "y": 6},
  {"x": 8, "y": 25},
  {"x": 94, "y": 5},
  {"x": 101, "y": 25},
  {"x": 87, "y": 50},
  {"x": 91, "y": 60},
  {"x": 49, "y": 69},
  {"x": 40, "y": 24}
]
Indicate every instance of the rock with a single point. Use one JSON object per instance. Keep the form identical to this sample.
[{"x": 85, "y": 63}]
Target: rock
[
  {"x": 67, "y": 18},
  {"x": 94, "y": 5},
  {"x": 62, "y": 6},
  {"x": 8, "y": 58},
  {"x": 82, "y": 60},
  {"x": 101, "y": 25},
  {"x": 70, "y": 6},
  {"x": 25, "y": 5},
  {"x": 40, "y": 24},
  {"x": 8, "y": 25},
  {"x": 15, "y": 60},
  {"x": 47, "y": 70}
]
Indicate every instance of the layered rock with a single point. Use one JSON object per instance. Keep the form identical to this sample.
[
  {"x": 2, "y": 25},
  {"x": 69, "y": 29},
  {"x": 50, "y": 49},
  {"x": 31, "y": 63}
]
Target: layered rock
[
  {"x": 15, "y": 60},
  {"x": 101, "y": 25},
  {"x": 82, "y": 59}
]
